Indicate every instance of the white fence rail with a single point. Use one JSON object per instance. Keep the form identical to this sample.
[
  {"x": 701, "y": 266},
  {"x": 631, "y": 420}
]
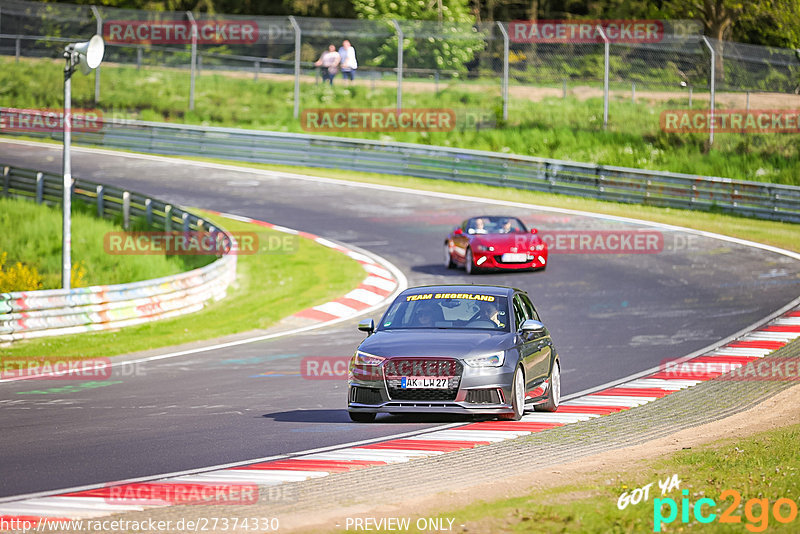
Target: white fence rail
[{"x": 32, "y": 314}]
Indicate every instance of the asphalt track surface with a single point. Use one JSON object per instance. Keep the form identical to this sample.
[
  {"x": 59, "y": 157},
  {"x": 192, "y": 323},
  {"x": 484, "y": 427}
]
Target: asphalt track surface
[{"x": 611, "y": 315}]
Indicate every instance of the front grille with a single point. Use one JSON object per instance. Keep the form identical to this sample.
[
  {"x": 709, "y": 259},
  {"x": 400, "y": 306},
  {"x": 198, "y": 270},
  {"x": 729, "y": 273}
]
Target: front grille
[
  {"x": 361, "y": 395},
  {"x": 395, "y": 369},
  {"x": 483, "y": 396}
]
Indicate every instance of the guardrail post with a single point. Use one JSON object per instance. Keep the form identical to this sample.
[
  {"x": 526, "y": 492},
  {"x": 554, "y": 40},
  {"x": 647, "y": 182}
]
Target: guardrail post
[
  {"x": 39, "y": 187},
  {"x": 185, "y": 220},
  {"x": 400, "y": 45},
  {"x": 100, "y": 201},
  {"x": 605, "y": 75},
  {"x": 297, "y": 42},
  {"x": 99, "y": 31},
  {"x": 17, "y": 49},
  {"x": 126, "y": 210},
  {"x": 193, "y": 66},
  {"x": 713, "y": 90},
  {"x": 6, "y": 180},
  {"x": 168, "y": 218},
  {"x": 138, "y": 58},
  {"x": 505, "y": 69},
  {"x": 148, "y": 211},
  {"x": 256, "y": 65}
]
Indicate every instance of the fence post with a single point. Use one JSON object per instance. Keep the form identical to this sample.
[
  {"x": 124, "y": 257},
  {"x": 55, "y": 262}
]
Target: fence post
[
  {"x": 193, "y": 66},
  {"x": 126, "y": 210},
  {"x": 297, "y": 44},
  {"x": 400, "y": 38},
  {"x": 633, "y": 92},
  {"x": 713, "y": 91},
  {"x": 505, "y": 69},
  {"x": 168, "y": 218},
  {"x": 99, "y": 31},
  {"x": 148, "y": 212},
  {"x": 138, "y": 57},
  {"x": 39, "y": 187},
  {"x": 7, "y": 181},
  {"x": 605, "y": 75},
  {"x": 17, "y": 49},
  {"x": 100, "y": 201},
  {"x": 256, "y": 65},
  {"x": 563, "y": 88}
]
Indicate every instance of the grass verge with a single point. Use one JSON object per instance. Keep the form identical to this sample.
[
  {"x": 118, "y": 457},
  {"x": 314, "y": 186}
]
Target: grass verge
[
  {"x": 763, "y": 467},
  {"x": 268, "y": 287},
  {"x": 36, "y": 243},
  {"x": 545, "y": 126}
]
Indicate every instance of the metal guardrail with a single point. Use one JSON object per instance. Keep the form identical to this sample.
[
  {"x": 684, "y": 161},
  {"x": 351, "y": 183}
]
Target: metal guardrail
[
  {"x": 31, "y": 314},
  {"x": 619, "y": 184}
]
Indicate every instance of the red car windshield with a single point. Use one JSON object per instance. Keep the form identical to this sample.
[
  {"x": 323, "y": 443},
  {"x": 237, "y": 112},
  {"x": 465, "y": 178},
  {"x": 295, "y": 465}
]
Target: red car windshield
[{"x": 495, "y": 225}]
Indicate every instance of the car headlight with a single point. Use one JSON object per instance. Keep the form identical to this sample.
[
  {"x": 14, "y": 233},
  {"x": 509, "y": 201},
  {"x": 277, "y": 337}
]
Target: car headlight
[
  {"x": 484, "y": 248},
  {"x": 486, "y": 360},
  {"x": 364, "y": 358}
]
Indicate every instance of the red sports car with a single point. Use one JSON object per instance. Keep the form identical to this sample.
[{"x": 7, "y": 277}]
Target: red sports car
[{"x": 494, "y": 242}]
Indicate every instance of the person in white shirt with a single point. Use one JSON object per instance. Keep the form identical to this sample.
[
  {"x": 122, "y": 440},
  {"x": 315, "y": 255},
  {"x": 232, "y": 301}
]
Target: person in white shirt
[{"x": 348, "y": 63}]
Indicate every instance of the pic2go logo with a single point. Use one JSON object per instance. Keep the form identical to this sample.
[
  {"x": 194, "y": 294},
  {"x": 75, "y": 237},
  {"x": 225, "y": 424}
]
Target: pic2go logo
[{"x": 756, "y": 511}]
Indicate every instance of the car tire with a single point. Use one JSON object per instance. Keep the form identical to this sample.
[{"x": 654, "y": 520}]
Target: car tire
[
  {"x": 362, "y": 417},
  {"x": 469, "y": 262},
  {"x": 517, "y": 397},
  {"x": 448, "y": 258},
  {"x": 553, "y": 392}
]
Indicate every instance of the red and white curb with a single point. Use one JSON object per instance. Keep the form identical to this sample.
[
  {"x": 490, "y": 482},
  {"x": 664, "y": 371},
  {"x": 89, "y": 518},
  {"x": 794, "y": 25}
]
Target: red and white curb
[
  {"x": 379, "y": 284},
  {"x": 103, "y": 501}
]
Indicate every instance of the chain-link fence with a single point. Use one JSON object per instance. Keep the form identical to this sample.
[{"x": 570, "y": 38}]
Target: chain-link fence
[{"x": 607, "y": 64}]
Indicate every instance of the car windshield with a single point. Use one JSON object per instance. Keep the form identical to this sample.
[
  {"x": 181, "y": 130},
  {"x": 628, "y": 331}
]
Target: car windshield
[
  {"x": 495, "y": 225},
  {"x": 447, "y": 310}
]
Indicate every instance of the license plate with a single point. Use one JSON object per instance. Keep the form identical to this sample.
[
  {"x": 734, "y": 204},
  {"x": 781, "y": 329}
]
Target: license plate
[
  {"x": 418, "y": 382},
  {"x": 515, "y": 257}
]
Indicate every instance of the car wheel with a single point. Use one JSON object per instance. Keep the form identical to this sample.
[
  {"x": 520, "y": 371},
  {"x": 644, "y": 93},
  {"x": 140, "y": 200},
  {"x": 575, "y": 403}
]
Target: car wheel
[
  {"x": 362, "y": 417},
  {"x": 469, "y": 263},
  {"x": 553, "y": 392},
  {"x": 448, "y": 258},
  {"x": 517, "y": 397}
]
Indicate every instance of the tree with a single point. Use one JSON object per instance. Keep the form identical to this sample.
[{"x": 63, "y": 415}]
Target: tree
[{"x": 438, "y": 34}]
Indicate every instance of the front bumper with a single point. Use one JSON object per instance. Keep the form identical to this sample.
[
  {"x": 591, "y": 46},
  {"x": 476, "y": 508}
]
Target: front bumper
[
  {"x": 493, "y": 260},
  {"x": 478, "y": 390}
]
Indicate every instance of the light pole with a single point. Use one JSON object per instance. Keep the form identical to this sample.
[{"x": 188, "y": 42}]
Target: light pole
[{"x": 88, "y": 55}]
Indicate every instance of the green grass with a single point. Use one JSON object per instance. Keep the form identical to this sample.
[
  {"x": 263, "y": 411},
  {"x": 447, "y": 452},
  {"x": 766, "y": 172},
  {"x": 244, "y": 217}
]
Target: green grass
[
  {"x": 36, "y": 242},
  {"x": 268, "y": 287},
  {"x": 764, "y": 466},
  {"x": 568, "y": 129}
]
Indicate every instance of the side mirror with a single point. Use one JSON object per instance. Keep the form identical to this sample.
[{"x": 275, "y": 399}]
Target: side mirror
[
  {"x": 366, "y": 325},
  {"x": 534, "y": 231},
  {"x": 532, "y": 326},
  {"x": 458, "y": 231}
]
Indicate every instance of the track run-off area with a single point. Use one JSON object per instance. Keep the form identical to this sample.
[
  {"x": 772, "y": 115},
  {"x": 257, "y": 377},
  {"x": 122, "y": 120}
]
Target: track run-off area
[{"x": 612, "y": 316}]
